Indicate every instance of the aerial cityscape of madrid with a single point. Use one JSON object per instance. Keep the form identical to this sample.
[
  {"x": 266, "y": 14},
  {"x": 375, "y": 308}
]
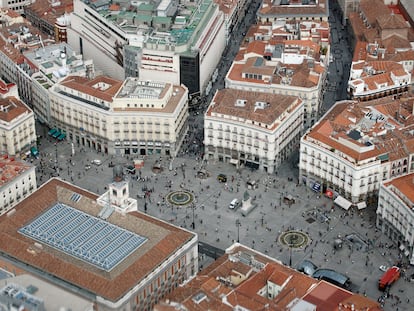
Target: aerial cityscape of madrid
[{"x": 206, "y": 155}]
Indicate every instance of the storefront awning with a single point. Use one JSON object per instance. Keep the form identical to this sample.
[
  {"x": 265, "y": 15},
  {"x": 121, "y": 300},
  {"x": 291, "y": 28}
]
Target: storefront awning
[
  {"x": 342, "y": 202},
  {"x": 361, "y": 205},
  {"x": 61, "y": 136},
  {"x": 52, "y": 131}
]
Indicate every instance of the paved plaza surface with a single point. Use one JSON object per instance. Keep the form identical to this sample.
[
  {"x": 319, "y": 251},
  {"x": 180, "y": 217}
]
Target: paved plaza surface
[{"x": 219, "y": 226}]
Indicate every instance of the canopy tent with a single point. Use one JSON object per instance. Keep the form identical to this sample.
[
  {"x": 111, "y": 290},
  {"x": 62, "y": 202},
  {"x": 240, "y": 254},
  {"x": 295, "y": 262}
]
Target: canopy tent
[
  {"x": 361, "y": 205},
  {"x": 56, "y": 134},
  {"x": 61, "y": 136},
  {"x": 34, "y": 151},
  {"x": 342, "y": 202},
  {"x": 52, "y": 131}
]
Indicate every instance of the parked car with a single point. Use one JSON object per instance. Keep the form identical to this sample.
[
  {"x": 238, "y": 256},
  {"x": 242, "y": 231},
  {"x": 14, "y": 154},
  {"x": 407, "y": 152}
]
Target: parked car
[
  {"x": 96, "y": 162},
  {"x": 222, "y": 178},
  {"x": 87, "y": 167}
]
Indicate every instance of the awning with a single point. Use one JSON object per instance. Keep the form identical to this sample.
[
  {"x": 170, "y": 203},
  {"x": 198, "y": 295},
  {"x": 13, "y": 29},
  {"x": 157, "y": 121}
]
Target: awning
[
  {"x": 361, "y": 205},
  {"x": 407, "y": 252},
  {"x": 342, "y": 202},
  {"x": 234, "y": 161},
  {"x": 52, "y": 131},
  {"x": 34, "y": 151},
  {"x": 402, "y": 247},
  {"x": 61, "y": 136}
]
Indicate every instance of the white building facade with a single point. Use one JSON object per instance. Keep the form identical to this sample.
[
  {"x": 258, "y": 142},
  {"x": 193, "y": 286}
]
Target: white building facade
[
  {"x": 17, "y": 127},
  {"x": 355, "y": 148},
  {"x": 252, "y": 129},
  {"x": 395, "y": 214},
  {"x": 17, "y": 182},
  {"x": 131, "y": 117},
  {"x": 49, "y": 65}
]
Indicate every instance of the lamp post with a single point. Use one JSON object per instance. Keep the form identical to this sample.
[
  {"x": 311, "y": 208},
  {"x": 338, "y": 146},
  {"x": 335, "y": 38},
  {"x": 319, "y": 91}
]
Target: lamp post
[
  {"x": 56, "y": 160},
  {"x": 291, "y": 243},
  {"x": 193, "y": 223},
  {"x": 238, "y": 224}
]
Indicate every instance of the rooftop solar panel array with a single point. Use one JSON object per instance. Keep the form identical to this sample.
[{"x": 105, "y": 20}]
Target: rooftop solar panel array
[{"x": 83, "y": 236}]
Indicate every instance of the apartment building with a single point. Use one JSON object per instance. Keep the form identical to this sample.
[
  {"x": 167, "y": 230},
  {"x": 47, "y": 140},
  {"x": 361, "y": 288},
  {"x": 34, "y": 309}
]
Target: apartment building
[
  {"x": 395, "y": 215},
  {"x": 44, "y": 67},
  {"x": 234, "y": 13},
  {"x": 161, "y": 41},
  {"x": 373, "y": 79},
  {"x": 115, "y": 261},
  {"x": 357, "y": 146},
  {"x": 291, "y": 68},
  {"x": 121, "y": 117},
  {"x": 17, "y": 182},
  {"x": 254, "y": 129},
  {"x": 50, "y": 17},
  {"x": 17, "y": 126},
  {"x": 17, "y": 38},
  {"x": 297, "y": 10},
  {"x": 15, "y": 5},
  {"x": 245, "y": 279}
]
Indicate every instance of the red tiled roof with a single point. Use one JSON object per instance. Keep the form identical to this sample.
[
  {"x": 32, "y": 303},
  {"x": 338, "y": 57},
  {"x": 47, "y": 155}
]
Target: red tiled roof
[
  {"x": 163, "y": 241},
  {"x": 10, "y": 168},
  {"x": 11, "y": 108},
  {"x": 86, "y": 86},
  {"x": 345, "y": 116}
]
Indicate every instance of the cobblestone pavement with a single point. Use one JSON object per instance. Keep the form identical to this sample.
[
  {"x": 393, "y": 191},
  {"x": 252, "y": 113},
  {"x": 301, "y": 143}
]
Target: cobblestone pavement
[{"x": 216, "y": 223}]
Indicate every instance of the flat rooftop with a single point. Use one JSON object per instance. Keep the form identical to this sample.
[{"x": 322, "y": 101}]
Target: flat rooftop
[{"x": 34, "y": 253}]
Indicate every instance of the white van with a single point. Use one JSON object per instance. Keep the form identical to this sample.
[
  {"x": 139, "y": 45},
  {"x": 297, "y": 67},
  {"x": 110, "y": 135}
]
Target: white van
[{"x": 234, "y": 204}]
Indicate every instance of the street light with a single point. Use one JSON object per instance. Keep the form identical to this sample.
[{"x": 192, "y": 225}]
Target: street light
[
  {"x": 238, "y": 224},
  {"x": 193, "y": 223},
  {"x": 56, "y": 160}
]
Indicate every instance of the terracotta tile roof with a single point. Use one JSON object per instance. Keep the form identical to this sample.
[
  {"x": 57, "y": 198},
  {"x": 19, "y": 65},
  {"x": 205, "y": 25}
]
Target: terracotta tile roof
[
  {"x": 372, "y": 9},
  {"x": 396, "y": 42},
  {"x": 11, "y": 168},
  {"x": 86, "y": 86},
  {"x": 11, "y": 108},
  {"x": 348, "y": 115},
  {"x": 328, "y": 297},
  {"x": 391, "y": 21},
  {"x": 257, "y": 47},
  {"x": 224, "y": 103},
  {"x": 226, "y": 6},
  {"x": 44, "y": 10},
  {"x": 405, "y": 185},
  {"x": 268, "y": 8},
  {"x": 251, "y": 294},
  {"x": 163, "y": 241},
  {"x": 357, "y": 25},
  {"x": 5, "y": 87}
]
